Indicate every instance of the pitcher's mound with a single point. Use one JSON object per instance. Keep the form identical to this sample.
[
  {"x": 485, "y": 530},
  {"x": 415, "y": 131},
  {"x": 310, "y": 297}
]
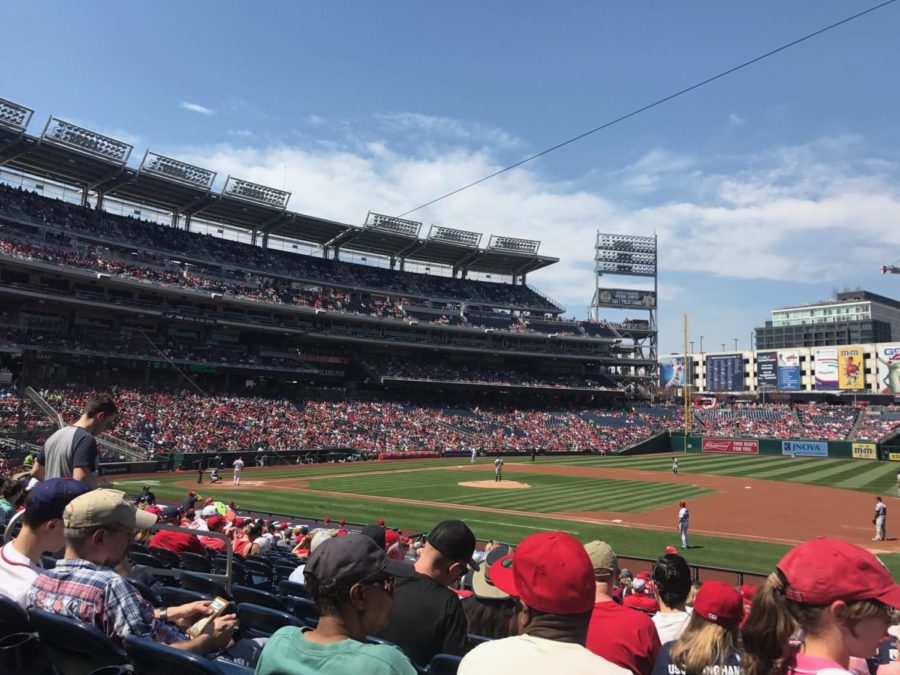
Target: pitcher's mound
[{"x": 494, "y": 485}]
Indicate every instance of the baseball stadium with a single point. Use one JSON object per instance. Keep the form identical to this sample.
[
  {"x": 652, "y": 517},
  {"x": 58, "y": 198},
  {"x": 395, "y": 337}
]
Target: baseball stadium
[{"x": 299, "y": 372}]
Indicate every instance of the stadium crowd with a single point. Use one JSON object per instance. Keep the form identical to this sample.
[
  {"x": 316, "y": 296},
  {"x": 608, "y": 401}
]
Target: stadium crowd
[
  {"x": 332, "y": 597},
  {"x": 133, "y": 232}
]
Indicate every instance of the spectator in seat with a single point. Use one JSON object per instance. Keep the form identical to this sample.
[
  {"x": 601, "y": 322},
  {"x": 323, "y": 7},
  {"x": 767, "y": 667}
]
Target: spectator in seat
[
  {"x": 621, "y": 635},
  {"x": 214, "y": 524},
  {"x": 99, "y": 526},
  {"x": 839, "y": 595},
  {"x": 428, "y": 618},
  {"x": 42, "y": 532},
  {"x": 351, "y": 581},
  {"x": 9, "y": 498},
  {"x": 244, "y": 541},
  {"x": 72, "y": 452},
  {"x": 490, "y": 612},
  {"x": 552, "y": 577},
  {"x": 672, "y": 580},
  {"x": 177, "y": 542},
  {"x": 709, "y": 643}
]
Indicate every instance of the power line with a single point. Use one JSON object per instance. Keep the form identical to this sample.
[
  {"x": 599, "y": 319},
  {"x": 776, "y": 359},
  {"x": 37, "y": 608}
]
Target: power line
[{"x": 655, "y": 103}]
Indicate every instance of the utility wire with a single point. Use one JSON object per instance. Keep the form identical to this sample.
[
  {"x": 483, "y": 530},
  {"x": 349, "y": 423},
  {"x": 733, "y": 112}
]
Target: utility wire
[{"x": 655, "y": 103}]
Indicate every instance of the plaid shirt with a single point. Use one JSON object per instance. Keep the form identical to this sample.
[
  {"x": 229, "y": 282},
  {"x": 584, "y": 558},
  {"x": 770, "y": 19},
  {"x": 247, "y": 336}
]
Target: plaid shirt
[{"x": 97, "y": 595}]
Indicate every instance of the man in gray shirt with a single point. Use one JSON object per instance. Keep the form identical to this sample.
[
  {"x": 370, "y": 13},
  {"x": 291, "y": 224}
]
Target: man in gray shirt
[{"x": 71, "y": 452}]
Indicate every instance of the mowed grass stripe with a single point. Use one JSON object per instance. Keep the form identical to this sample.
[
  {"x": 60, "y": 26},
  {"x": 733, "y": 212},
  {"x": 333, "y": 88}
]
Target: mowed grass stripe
[
  {"x": 878, "y": 473},
  {"x": 547, "y": 492},
  {"x": 796, "y": 469}
]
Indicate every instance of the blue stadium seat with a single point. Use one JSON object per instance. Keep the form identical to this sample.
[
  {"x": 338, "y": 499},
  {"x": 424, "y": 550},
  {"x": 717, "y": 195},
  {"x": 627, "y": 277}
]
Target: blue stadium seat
[
  {"x": 152, "y": 658},
  {"x": 74, "y": 647},
  {"x": 257, "y": 621},
  {"x": 171, "y": 596},
  {"x": 444, "y": 664},
  {"x": 194, "y": 562},
  {"x": 293, "y": 589},
  {"x": 194, "y": 582},
  {"x": 257, "y": 597},
  {"x": 169, "y": 557}
]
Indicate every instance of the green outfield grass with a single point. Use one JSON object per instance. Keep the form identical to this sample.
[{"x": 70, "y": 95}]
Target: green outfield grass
[{"x": 548, "y": 494}]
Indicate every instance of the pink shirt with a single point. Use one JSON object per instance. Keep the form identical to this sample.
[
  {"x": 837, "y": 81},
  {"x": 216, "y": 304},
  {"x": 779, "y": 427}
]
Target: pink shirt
[{"x": 806, "y": 665}]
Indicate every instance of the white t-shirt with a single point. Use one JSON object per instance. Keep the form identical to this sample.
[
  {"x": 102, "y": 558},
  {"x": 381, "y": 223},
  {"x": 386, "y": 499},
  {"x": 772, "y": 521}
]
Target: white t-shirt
[
  {"x": 528, "y": 654},
  {"x": 17, "y": 573},
  {"x": 683, "y": 516},
  {"x": 238, "y": 465},
  {"x": 670, "y": 625},
  {"x": 264, "y": 544}
]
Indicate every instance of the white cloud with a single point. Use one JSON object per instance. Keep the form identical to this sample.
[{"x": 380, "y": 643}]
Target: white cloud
[
  {"x": 736, "y": 120},
  {"x": 195, "y": 107},
  {"x": 817, "y": 211},
  {"x": 434, "y": 127}
]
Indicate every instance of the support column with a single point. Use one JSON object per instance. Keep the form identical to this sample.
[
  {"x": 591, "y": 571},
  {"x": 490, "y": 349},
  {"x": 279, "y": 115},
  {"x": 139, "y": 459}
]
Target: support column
[
  {"x": 265, "y": 241},
  {"x": 253, "y": 237},
  {"x": 187, "y": 223},
  {"x": 99, "y": 206}
]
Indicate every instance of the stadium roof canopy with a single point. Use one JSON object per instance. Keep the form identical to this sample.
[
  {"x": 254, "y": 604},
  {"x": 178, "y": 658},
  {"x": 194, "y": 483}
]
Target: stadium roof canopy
[{"x": 70, "y": 154}]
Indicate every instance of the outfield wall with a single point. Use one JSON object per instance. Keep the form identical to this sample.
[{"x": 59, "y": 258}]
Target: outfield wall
[{"x": 782, "y": 448}]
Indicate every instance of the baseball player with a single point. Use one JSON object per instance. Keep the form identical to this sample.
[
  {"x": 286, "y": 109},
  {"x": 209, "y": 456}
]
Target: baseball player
[
  {"x": 683, "y": 522},
  {"x": 674, "y": 466},
  {"x": 898, "y": 483},
  {"x": 498, "y": 470},
  {"x": 238, "y": 465},
  {"x": 879, "y": 520},
  {"x": 474, "y": 455}
]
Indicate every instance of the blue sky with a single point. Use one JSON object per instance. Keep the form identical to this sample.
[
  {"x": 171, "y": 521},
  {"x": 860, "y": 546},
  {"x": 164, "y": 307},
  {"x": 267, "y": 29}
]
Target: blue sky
[{"x": 773, "y": 187}]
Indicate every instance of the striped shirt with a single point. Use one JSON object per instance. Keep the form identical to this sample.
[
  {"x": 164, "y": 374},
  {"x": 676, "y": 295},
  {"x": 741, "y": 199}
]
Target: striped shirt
[{"x": 95, "y": 594}]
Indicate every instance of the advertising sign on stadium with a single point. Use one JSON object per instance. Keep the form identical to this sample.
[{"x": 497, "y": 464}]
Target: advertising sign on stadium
[
  {"x": 826, "y": 369},
  {"x": 789, "y": 370},
  {"x": 671, "y": 372},
  {"x": 804, "y": 448},
  {"x": 767, "y": 371},
  {"x": 865, "y": 451},
  {"x": 625, "y": 299},
  {"x": 725, "y": 372},
  {"x": 730, "y": 447},
  {"x": 888, "y": 357},
  {"x": 850, "y": 368},
  {"x": 894, "y": 456}
]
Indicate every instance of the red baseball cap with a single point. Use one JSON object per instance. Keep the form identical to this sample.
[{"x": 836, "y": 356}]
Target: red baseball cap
[
  {"x": 215, "y": 522},
  {"x": 823, "y": 570},
  {"x": 640, "y": 601},
  {"x": 671, "y": 549},
  {"x": 381, "y": 522},
  {"x": 391, "y": 537},
  {"x": 719, "y": 603},
  {"x": 551, "y": 572}
]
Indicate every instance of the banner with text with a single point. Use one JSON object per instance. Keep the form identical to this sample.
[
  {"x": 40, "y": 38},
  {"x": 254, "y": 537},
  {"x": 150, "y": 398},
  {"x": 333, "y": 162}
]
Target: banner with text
[
  {"x": 625, "y": 299},
  {"x": 865, "y": 451},
  {"x": 725, "y": 372},
  {"x": 730, "y": 447},
  {"x": 826, "y": 369},
  {"x": 804, "y": 448},
  {"x": 888, "y": 356},
  {"x": 789, "y": 370},
  {"x": 767, "y": 371},
  {"x": 850, "y": 368}
]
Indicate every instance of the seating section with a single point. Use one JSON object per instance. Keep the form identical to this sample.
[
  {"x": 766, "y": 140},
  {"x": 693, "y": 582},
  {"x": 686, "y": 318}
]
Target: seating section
[
  {"x": 167, "y": 241},
  {"x": 878, "y": 425},
  {"x": 831, "y": 422},
  {"x": 771, "y": 421}
]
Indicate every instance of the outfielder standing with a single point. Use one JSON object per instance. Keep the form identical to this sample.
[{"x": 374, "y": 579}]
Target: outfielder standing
[
  {"x": 674, "y": 466},
  {"x": 880, "y": 519},
  {"x": 238, "y": 467},
  {"x": 498, "y": 470},
  {"x": 474, "y": 454},
  {"x": 683, "y": 522}
]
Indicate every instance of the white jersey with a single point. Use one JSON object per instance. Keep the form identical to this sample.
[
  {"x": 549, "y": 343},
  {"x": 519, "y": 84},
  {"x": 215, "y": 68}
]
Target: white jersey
[
  {"x": 498, "y": 464},
  {"x": 238, "y": 464},
  {"x": 683, "y": 515},
  {"x": 881, "y": 510}
]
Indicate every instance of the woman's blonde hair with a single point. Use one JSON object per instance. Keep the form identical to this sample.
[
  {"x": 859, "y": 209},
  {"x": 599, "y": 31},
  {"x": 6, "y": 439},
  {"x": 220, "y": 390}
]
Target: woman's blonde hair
[{"x": 703, "y": 644}]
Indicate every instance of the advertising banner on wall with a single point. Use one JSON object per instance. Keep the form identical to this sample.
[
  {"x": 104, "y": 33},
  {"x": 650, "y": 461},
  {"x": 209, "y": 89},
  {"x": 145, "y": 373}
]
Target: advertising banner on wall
[
  {"x": 671, "y": 372},
  {"x": 725, "y": 372},
  {"x": 767, "y": 371},
  {"x": 789, "y": 370},
  {"x": 865, "y": 451},
  {"x": 826, "y": 369},
  {"x": 804, "y": 448},
  {"x": 730, "y": 447},
  {"x": 850, "y": 368},
  {"x": 888, "y": 357}
]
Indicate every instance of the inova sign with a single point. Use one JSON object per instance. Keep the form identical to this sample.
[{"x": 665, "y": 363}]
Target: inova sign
[{"x": 804, "y": 448}]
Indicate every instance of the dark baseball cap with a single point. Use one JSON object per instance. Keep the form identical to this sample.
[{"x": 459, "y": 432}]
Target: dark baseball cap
[
  {"x": 376, "y": 534},
  {"x": 350, "y": 559},
  {"x": 455, "y": 540},
  {"x": 48, "y": 499}
]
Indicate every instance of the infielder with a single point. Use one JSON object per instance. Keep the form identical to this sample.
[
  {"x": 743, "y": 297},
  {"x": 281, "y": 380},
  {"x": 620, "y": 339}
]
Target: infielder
[
  {"x": 898, "y": 483},
  {"x": 498, "y": 470},
  {"x": 674, "y": 466},
  {"x": 880, "y": 519},
  {"x": 238, "y": 467},
  {"x": 683, "y": 522},
  {"x": 474, "y": 455}
]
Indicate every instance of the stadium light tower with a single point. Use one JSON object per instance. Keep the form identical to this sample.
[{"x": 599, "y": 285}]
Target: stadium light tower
[{"x": 621, "y": 255}]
